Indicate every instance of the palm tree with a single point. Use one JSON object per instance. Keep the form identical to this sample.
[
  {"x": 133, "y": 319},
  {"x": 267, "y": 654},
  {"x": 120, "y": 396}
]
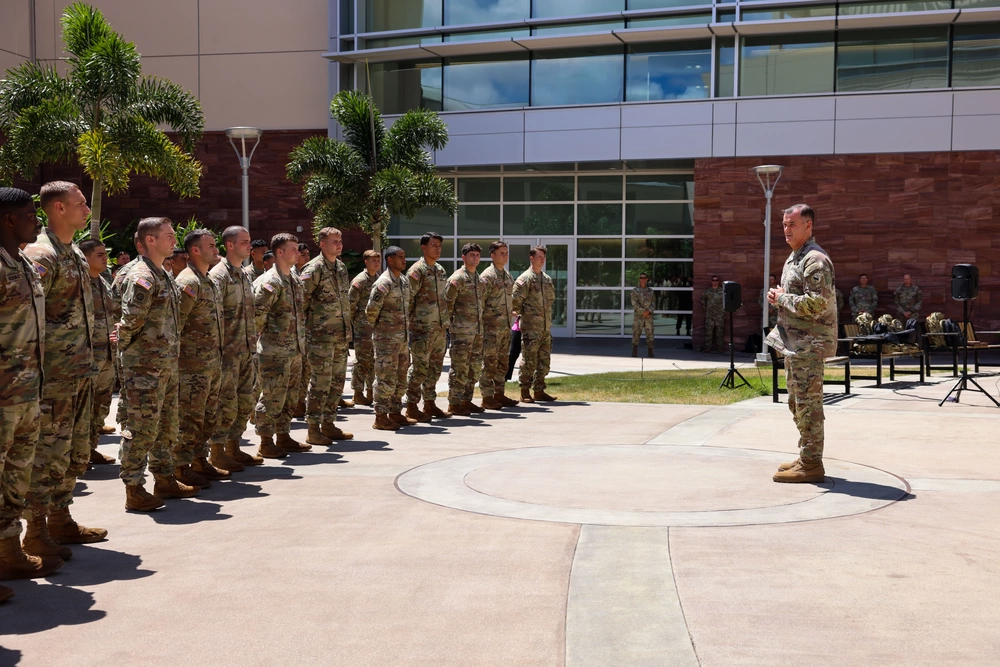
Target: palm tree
[
  {"x": 374, "y": 173},
  {"x": 104, "y": 112}
]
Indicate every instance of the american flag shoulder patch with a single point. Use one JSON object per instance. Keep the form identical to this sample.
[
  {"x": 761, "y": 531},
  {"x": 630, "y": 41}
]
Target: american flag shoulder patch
[
  {"x": 190, "y": 292},
  {"x": 40, "y": 269},
  {"x": 268, "y": 286},
  {"x": 306, "y": 276},
  {"x": 142, "y": 282}
]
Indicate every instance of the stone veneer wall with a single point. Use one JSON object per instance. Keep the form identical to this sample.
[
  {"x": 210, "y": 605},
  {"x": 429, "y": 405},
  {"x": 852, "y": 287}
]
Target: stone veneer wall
[{"x": 884, "y": 215}]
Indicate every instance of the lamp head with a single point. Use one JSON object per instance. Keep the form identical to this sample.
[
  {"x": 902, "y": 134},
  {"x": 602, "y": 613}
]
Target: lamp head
[
  {"x": 764, "y": 169},
  {"x": 243, "y": 132}
]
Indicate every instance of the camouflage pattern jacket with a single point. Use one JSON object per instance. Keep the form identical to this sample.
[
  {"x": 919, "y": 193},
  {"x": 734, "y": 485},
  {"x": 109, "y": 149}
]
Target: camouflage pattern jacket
[
  {"x": 200, "y": 321},
  {"x": 532, "y": 299},
  {"x": 807, "y": 310},
  {"x": 280, "y": 314},
  {"x": 118, "y": 286},
  {"x": 464, "y": 298},
  {"x": 357, "y": 295},
  {"x": 69, "y": 309},
  {"x": 388, "y": 307},
  {"x": 426, "y": 305},
  {"x": 328, "y": 305},
  {"x": 239, "y": 328},
  {"x": 22, "y": 330},
  {"x": 711, "y": 301},
  {"x": 253, "y": 273},
  {"x": 104, "y": 317},
  {"x": 863, "y": 300},
  {"x": 906, "y": 299},
  {"x": 149, "y": 331},
  {"x": 497, "y": 298},
  {"x": 643, "y": 300}
]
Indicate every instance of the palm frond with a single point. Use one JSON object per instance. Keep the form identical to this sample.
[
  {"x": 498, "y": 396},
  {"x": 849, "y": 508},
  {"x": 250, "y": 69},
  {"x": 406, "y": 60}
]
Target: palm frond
[
  {"x": 163, "y": 102},
  {"x": 355, "y": 111},
  {"x": 147, "y": 150},
  {"x": 408, "y": 140},
  {"x": 83, "y": 27},
  {"x": 436, "y": 192},
  {"x": 321, "y": 155},
  {"x": 102, "y": 160},
  {"x": 29, "y": 85},
  {"x": 106, "y": 75},
  {"x": 45, "y": 132}
]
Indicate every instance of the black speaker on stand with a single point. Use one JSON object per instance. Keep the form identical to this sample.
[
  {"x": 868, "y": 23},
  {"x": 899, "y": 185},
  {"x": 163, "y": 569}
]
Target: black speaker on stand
[
  {"x": 964, "y": 288},
  {"x": 732, "y": 299}
]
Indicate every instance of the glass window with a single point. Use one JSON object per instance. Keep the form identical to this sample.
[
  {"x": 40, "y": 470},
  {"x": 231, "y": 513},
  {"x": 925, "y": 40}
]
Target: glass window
[
  {"x": 967, "y": 4},
  {"x": 399, "y": 87},
  {"x": 599, "y": 324},
  {"x": 599, "y": 274},
  {"x": 659, "y": 188},
  {"x": 401, "y": 41},
  {"x": 659, "y": 4},
  {"x": 892, "y": 7},
  {"x": 426, "y": 220},
  {"x": 726, "y": 15},
  {"x": 551, "y": 8},
  {"x": 575, "y": 28},
  {"x": 485, "y": 83},
  {"x": 789, "y": 13},
  {"x": 591, "y": 248},
  {"x": 412, "y": 247},
  {"x": 787, "y": 65},
  {"x": 346, "y": 24},
  {"x": 659, "y": 219},
  {"x": 478, "y": 189},
  {"x": 484, "y": 35},
  {"x": 724, "y": 66},
  {"x": 551, "y": 188},
  {"x": 600, "y": 188},
  {"x": 976, "y": 55},
  {"x": 675, "y": 72},
  {"x": 892, "y": 59},
  {"x": 447, "y": 264},
  {"x": 667, "y": 21},
  {"x": 479, "y": 220},
  {"x": 592, "y": 76},
  {"x": 540, "y": 219},
  {"x": 599, "y": 219},
  {"x": 462, "y": 12},
  {"x": 591, "y": 299},
  {"x": 664, "y": 274},
  {"x": 402, "y": 14},
  {"x": 661, "y": 248}
]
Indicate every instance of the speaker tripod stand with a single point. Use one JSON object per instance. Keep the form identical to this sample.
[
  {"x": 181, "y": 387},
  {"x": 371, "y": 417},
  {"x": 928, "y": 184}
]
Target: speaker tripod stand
[
  {"x": 730, "y": 380},
  {"x": 965, "y": 380}
]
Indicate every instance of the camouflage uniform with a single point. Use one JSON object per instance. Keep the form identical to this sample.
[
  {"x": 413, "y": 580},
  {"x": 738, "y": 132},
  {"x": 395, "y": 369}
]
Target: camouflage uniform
[
  {"x": 388, "y": 314},
  {"x": 642, "y": 300},
  {"x": 104, "y": 382},
  {"x": 22, "y": 339},
  {"x": 464, "y": 296},
  {"x": 772, "y": 313},
  {"x": 908, "y": 299},
  {"x": 428, "y": 322},
  {"x": 252, "y": 272},
  {"x": 199, "y": 364},
  {"x": 532, "y": 299},
  {"x": 328, "y": 335},
  {"x": 63, "y": 449},
  {"x": 806, "y": 334},
  {"x": 149, "y": 345},
  {"x": 863, "y": 300},
  {"x": 711, "y": 302},
  {"x": 280, "y": 318},
  {"x": 240, "y": 385},
  {"x": 117, "y": 287},
  {"x": 497, "y": 321},
  {"x": 363, "y": 375}
]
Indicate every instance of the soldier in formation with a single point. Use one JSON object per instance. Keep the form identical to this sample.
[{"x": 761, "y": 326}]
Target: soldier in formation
[
  {"x": 498, "y": 318},
  {"x": 104, "y": 321},
  {"x": 643, "y": 304},
  {"x": 426, "y": 310},
  {"x": 863, "y": 298},
  {"x": 464, "y": 296},
  {"x": 711, "y": 302},
  {"x": 531, "y": 301},
  {"x": 257, "y": 268},
  {"x": 363, "y": 375},
  {"x": 388, "y": 314},
  {"x": 908, "y": 300}
]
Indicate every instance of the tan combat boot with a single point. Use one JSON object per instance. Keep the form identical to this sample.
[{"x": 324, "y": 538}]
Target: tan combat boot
[
  {"x": 431, "y": 410},
  {"x": 222, "y": 461},
  {"x": 15, "y": 564},
  {"x": 805, "y": 471},
  {"x": 334, "y": 433},
  {"x": 138, "y": 499},
  {"x": 268, "y": 450},
  {"x": 398, "y": 418},
  {"x": 345, "y": 403},
  {"x": 315, "y": 436},
  {"x": 168, "y": 486},
  {"x": 414, "y": 413},
  {"x": 108, "y": 430},
  {"x": 234, "y": 452},
  {"x": 98, "y": 459},
  {"x": 492, "y": 403},
  {"x": 6, "y": 593},
  {"x": 506, "y": 401},
  {"x": 526, "y": 395},
  {"x": 65, "y": 530},
  {"x": 382, "y": 423},
  {"x": 542, "y": 396},
  {"x": 38, "y": 541},
  {"x": 472, "y": 407},
  {"x": 459, "y": 410},
  {"x": 189, "y": 476},
  {"x": 289, "y": 444},
  {"x": 649, "y": 353},
  {"x": 635, "y": 350},
  {"x": 788, "y": 466},
  {"x": 210, "y": 469},
  {"x": 359, "y": 398}
]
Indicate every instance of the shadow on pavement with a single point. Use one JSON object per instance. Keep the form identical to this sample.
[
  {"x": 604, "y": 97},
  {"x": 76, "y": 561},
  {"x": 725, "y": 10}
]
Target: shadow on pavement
[
  {"x": 234, "y": 489},
  {"x": 348, "y": 446},
  {"x": 39, "y": 606},
  {"x": 102, "y": 472},
  {"x": 185, "y": 511},
  {"x": 9, "y": 656},
  {"x": 867, "y": 490},
  {"x": 313, "y": 458},
  {"x": 274, "y": 470},
  {"x": 92, "y": 565}
]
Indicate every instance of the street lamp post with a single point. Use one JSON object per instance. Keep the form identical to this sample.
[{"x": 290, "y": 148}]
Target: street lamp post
[
  {"x": 764, "y": 175},
  {"x": 244, "y": 133}
]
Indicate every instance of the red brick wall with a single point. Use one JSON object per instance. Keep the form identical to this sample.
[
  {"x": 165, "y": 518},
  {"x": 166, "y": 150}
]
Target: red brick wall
[{"x": 884, "y": 215}]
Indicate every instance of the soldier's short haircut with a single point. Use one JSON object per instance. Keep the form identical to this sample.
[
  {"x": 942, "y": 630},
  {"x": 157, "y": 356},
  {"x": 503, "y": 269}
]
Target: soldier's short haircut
[
  {"x": 303, "y": 246},
  {"x": 13, "y": 199},
  {"x": 194, "y": 236},
  {"x": 537, "y": 249},
  {"x": 775, "y": 277},
  {"x": 89, "y": 245},
  {"x": 267, "y": 255},
  {"x": 496, "y": 245},
  {"x": 369, "y": 254},
  {"x": 644, "y": 275},
  {"x": 55, "y": 191},
  {"x": 229, "y": 234},
  {"x": 281, "y": 239},
  {"x": 862, "y": 275},
  {"x": 471, "y": 247},
  {"x": 327, "y": 231},
  {"x": 426, "y": 238},
  {"x": 391, "y": 250},
  {"x": 180, "y": 251},
  {"x": 258, "y": 243},
  {"x": 804, "y": 210},
  {"x": 150, "y": 227}
]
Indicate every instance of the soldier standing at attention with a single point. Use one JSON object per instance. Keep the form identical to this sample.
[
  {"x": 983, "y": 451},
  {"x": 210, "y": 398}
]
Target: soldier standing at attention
[
  {"x": 643, "y": 302},
  {"x": 306, "y": 373},
  {"x": 22, "y": 336},
  {"x": 104, "y": 323},
  {"x": 256, "y": 268},
  {"x": 864, "y": 298},
  {"x": 363, "y": 374},
  {"x": 200, "y": 366},
  {"x": 806, "y": 334},
  {"x": 908, "y": 299},
  {"x": 117, "y": 287},
  {"x": 389, "y": 318},
  {"x": 281, "y": 323},
  {"x": 148, "y": 338},
  {"x": 426, "y": 308},
  {"x": 63, "y": 449},
  {"x": 532, "y": 299},
  {"x": 325, "y": 283},
  {"x": 464, "y": 296},
  {"x": 711, "y": 302},
  {"x": 239, "y": 388},
  {"x": 498, "y": 318},
  {"x": 772, "y": 314}
]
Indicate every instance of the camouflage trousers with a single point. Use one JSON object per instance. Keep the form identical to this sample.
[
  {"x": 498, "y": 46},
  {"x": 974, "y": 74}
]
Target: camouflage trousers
[
  {"x": 536, "y": 353},
  {"x": 713, "y": 333},
  {"x": 63, "y": 449},
  {"x": 121, "y": 415},
  {"x": 328, "y": 370},
  {"x": 198, "y": 400},
  {"x": 392, "y": 360},
  {"x": 103, "y": 387},
  {"x": 466, "y": 366},
  {"x": 280, "y": 378},
  {"x": 804, "y": 378},
  {"x": 152, "y": 421},
  {"x": 496, "y": 357},
  {"x": 305, "y": 372},
  {"x": 363, "y": 375},
  {"x": 19, "y": 429},
  {"x": 642, "y": 325},
  {"x": 238, "y": 393},
  {"x": 427, "y": 350}
]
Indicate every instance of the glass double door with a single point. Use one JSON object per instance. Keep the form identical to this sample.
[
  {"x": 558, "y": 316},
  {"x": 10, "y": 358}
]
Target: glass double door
[{"x": 559, "y": 265}]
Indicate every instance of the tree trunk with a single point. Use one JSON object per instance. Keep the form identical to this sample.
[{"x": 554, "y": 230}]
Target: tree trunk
[
  {"x": 95, "y": 211},
  {"x": 377, "y": 235}
]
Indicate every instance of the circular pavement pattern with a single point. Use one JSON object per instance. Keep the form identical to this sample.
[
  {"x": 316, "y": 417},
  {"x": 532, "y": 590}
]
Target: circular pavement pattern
[{"x": 646, "y": 485}]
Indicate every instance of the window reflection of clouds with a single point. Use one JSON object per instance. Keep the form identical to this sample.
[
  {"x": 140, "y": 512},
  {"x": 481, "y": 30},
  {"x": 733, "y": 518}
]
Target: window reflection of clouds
[
  {"x": 481, "y": 85},
  {"x": 402, "y": 14},
  {"x": 669, "y": 75},
  {"x": 582, "y": 79},
  {"x": 461, "y": 12},
  {"x": 552, "y": 8}
]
